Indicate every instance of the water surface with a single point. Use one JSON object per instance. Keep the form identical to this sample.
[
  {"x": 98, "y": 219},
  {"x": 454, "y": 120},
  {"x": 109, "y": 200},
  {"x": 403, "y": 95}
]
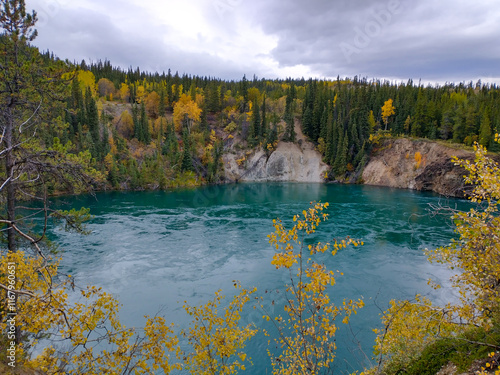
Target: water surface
[{"x": 154, "y": 250}]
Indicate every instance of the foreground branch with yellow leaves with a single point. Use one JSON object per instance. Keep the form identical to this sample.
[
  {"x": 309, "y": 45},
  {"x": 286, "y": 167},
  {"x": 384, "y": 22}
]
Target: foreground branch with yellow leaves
[{"x": 307, "y": 331}]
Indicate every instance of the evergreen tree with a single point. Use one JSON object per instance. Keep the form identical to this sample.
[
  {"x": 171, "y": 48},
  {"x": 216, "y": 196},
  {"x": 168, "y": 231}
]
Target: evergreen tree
[
  {"x": 290, "y": 134},
  {"x": 307, "y": 122},
  {"x": 256, "y": 122},
  {"x": 263, "y": 126},
  {"x": 204, "y": 127},
  {"x": 31, "y": 99},
  {"x": 244, "y": 93},
  {"x": 137, "y": 124},
  {"x": 146, "y": 136},
  {"x": 340, "y": 165},
  {"x": 92, "y": 121},
  {"x": 162, "y": 109},
  {"x": 271, "y": 139},
  {"x": 104, "y": 147},
  {"x": 459, "y": 132},
  {"x": 485, "y": 133},
  {"x": 187, "y": 160}
]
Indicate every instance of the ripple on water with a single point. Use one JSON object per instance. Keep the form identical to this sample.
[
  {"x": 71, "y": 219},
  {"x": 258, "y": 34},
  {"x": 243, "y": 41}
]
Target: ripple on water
[{"x": 155, "y": 250}]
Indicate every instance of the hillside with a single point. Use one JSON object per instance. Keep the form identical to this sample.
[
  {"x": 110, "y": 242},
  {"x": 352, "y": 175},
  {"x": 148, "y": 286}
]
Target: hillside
[{"x": 416, "y": 164}]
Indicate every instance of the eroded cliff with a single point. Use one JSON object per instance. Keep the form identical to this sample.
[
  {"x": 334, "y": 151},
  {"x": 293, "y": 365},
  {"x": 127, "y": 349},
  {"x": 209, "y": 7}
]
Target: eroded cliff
[
  {"x": 418, "y": 165},
  {"x": 293, "y": 162}
]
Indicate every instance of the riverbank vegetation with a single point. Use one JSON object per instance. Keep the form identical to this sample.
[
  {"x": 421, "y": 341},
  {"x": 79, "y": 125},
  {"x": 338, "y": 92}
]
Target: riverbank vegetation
[
  {"x": 77, "y": 127},
  {"x": 419, "y": 337}
]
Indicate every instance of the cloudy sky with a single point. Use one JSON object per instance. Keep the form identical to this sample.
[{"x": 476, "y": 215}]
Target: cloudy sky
[{"x": 437, "y": 41}]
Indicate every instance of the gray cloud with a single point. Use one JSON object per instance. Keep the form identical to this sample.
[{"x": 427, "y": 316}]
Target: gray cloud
[
  {"x": 441, "y": 41},
  {"x": 79, "y": 33},
  {"x": 436, "y": 41}
]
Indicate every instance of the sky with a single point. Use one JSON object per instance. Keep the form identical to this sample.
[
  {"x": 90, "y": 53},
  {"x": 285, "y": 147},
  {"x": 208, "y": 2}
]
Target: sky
[{"x": 436, "y": 41}]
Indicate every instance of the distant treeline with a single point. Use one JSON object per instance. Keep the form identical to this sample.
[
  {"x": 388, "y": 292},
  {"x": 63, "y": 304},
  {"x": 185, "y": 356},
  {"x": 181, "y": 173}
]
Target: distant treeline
[{"x": 184, "y": 123}]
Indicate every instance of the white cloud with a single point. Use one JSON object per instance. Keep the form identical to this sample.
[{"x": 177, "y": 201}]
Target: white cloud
[{"x": 433, "y": 40}]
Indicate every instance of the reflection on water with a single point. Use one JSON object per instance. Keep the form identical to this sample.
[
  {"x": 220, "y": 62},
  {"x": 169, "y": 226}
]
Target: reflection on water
[{"x": 154, "y": 250}]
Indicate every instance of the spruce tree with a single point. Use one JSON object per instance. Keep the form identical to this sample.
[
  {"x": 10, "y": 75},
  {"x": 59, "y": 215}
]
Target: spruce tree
[
  {"x": 263, "y": 126},
  {"x": 187, "y": 160},
  {"x": 340, "y": 165},
  {"x": 146, "y": 136},
  {"x": 162, "y": 109},
  {"x": 485, "y": 133},
  {"x": 92, "y": 121},
  {"x": 244, "y": 93},
  {"x": 255, "y": 128},
  {"x": 271, "y": 138},
  {"x": 307, "y": 122}
]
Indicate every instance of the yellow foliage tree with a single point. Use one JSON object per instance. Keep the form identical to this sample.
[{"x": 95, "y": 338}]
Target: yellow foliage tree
[
  {"x": 254, "y": 95},
  {"x": 87, "y": 79},
  {"x": 307, "y": 333},
  {"x": 152, "y": 103},
  {"x": 186, "y": 108},
  {"x": 43, "y": 307},
  {"x": 124, "y": 92},
  {"x": 216, "y": 338},
  {"x": 387, "y": 111},
  {"x": 140, "y": 94}
]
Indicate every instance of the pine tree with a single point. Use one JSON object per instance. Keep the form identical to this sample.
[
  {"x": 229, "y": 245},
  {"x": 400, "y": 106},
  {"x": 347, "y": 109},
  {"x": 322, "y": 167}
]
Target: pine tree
[
  {"x": 420, "y": 121},
  {"x": 255, "y": 128},
  {"x": 92, "y": 121},
  {"x": 244, "y": 93},
  {"x": 271, "y": 139},
  {"x": 340, "y": 165},
  {"x": 137, "y": 124},
  {"x": 289, "y": 117},
  {"x": 263, "y": 127},
  {"x": 187, "y": 160},
  {"x": 204, "y": 121},
  {"x": 146, "y": 136},
  {"x": 485, "y": 133},
  {"x": 162, "y": 109},
  {"x": 307, "y": 122},
  {"x": 290, "y": 134},
  {"x": 31, "y": 93}
]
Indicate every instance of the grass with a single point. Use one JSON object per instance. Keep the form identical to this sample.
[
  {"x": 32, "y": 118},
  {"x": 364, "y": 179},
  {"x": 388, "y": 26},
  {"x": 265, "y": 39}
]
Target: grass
[{"x": 463, "y": 351}]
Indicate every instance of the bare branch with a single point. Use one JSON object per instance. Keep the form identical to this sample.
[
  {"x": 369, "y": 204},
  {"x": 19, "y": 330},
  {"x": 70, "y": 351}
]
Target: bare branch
[
  {"x": 33, "y": 115},
  {"x": 24, "y": 292}
]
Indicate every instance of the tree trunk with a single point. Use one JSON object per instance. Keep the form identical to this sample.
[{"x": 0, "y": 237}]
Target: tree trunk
[{"x": 11, "y": 189}]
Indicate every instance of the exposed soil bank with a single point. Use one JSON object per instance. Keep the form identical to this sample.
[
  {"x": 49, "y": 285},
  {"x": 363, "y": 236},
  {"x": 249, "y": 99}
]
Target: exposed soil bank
[{"x": 418, "y": 165}]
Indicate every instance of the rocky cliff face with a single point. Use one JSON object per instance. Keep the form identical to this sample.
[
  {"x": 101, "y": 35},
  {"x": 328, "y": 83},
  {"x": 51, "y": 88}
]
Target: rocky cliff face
[
  {"x": 400, "y": 163},
  {"x": 418, "y": 165},
  {"x": 294, "y": 162}
]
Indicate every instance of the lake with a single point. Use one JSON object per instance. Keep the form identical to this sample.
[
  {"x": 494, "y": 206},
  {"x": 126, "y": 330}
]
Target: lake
[{"x": 153, "y": 250}]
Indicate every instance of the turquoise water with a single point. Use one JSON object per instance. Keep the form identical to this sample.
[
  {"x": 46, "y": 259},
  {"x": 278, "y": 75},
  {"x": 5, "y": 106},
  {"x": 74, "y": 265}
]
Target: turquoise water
[{"x": 153, "y": 250}]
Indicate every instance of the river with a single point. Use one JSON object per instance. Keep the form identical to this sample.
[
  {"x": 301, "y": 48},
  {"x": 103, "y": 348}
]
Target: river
[{"x": 154, "y": 250}]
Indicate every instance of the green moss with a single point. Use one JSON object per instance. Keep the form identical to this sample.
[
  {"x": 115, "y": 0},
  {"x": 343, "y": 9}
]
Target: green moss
[{"x": 462, "y": 351}]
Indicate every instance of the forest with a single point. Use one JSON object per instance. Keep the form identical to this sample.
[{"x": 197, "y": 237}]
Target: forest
[
  {"x": 72, "y": 128},
  {"x": 150, "y": 131}
]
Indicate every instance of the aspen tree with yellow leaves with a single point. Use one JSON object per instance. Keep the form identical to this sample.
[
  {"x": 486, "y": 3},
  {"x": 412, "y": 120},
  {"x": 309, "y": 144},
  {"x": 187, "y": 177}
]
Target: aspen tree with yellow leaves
[
  {"x": 387, "y": 111},
  {"x": 186, "y": 108},
  {"x": 217, "y": 339},
  {"x": 307, "y": 328}
]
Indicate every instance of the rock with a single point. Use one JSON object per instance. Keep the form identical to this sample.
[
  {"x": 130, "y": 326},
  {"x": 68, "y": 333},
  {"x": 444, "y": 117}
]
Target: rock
[
  {"x": 418, "y": 165},
  {"x": 293, "y": 162}
]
